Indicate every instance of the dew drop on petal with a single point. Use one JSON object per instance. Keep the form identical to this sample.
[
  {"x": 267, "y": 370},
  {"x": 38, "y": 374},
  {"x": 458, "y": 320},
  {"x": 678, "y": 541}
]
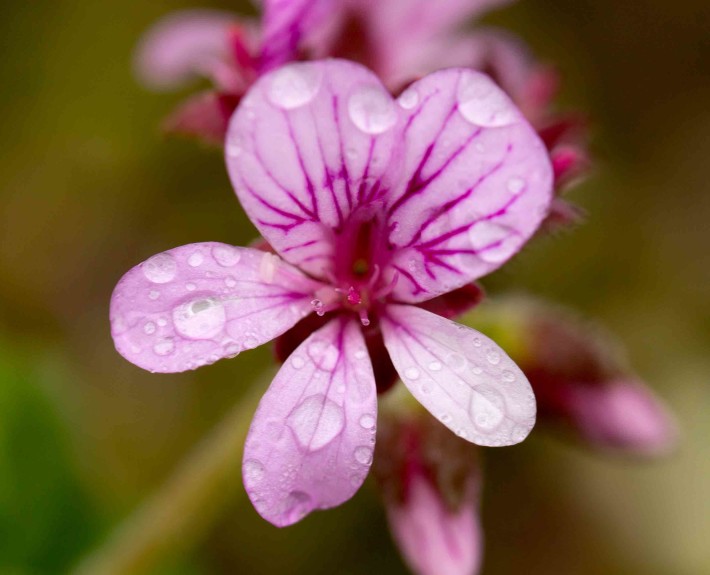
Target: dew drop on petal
[
  {"x": 316, "y": 421},
  {"x": 363, "y": 454},
  {"x": 195, "y": 259},
  {"x": 160, "y": 269},
  {"x": 324, "y": 355},
  {"x": 411, "y": 373},
  {"x": 487, "y": 407},
  {"x": 253, "y": 471},
  {"x": 482, "y": 103},
  {"x": 149, "y": 328},
  {"x": 508, "y": 376},
  {"x": 226, "y": 256},
  {"x": 294, "y": 85},
  {"x": 408, "y": 99},
  {"x": 516, "y": 185},
  {"x": 456, "y": 361},
  {"x": 372, "y": 110},
  {"x": 164, "y": 347},
  {"x": 250, "y": 341},
  {"x": 491, "y": 241},
  {"x": 153, "y": 294},
  {"x": 201, "y": 318},
  {"x": 435, "y": 366},
  {"x": 190, "y": 286},
  {"x": 493, "y": 356},
  {"x": 298, "y": 362},
  {"x": 296, "y": 506},
  {"x": 367, "y": 421},
  {"x": 267, "y": 267}
]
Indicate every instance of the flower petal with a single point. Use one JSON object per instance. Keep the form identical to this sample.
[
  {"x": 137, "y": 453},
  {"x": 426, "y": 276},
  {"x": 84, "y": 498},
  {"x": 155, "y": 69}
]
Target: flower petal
[
  {"x": 311, "y": 442},
  {"x": 479, "y": 182},
  {"x": 433, "y": 538},
  {"x": 198, "y": 303},
  {"x": 308, "y": 145},
  {"x": 204, "y": 116},
  {"x": 462, "y": 377},
  {"x": 183, "y": 45},
  {"x": 285, "y": 25}
]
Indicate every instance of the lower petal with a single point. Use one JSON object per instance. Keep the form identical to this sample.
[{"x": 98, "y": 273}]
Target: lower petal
[
  {"x": 462, "y": 377},
  {"x": 311, "y": 442}
]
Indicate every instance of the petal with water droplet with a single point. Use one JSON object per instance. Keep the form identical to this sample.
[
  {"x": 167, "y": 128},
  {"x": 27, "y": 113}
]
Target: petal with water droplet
[
  {"x": 478, "y": 182},
  {"x": 318, "y": 141},
  {"x": 472, "y": 377},
  {"x": 312, "y": 436},
  {"x": 198, "y": 303}
]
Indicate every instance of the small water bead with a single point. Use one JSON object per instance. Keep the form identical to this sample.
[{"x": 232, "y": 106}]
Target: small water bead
[
  {"x": 477, "y": 342},
  {"x": 324, "y": 355},
  {"x": 491, "y": 240},
  {"x": 226, "y": 256},
  {"x": 195, "y": 260},
  {"x": 360, "y": 354},
  {"x": 456, "y": 361},
  {"x": 230, "y": 282},
  {"x": 234, "y": 145},
  {"x": 231, "y": 350},
  {"x": 267, "y": 267},
  {"x": 294, "y": 85},
  {"x": 477, "y": 370},
  {"x": 411, "y": 373},
  {"x": 164, "y": 347},
  {"x": 160, "y": 269},
  {"x": 149, "y": 328},
  {"x": 153, "y": 294},
  {"x": 253, "y": 471},
  {"x": 482, "y": 103},
  {"x": 487, "y": 407},
  {"x": 162, "y": 322},
  {"x": 298, "y": 362},
  {"x": 363, "y": 454},
  {"x": 408, "y": 99},
  {"x": 493, "y": 356},
  {"x": 367, "y": 421},
  {"x": 316, "y": 421},
  {"x": 296, "y": 505},
  {"x": 516, "y": 185},
  {"x": 202, "y": 318},
  {"x": 250, "y": 341},
  {"x": 372, "y": 110},
  {"x": 508, "y": 376},
  {"x": 435, "y": 366},
  {"x": 190, "y": 286}
]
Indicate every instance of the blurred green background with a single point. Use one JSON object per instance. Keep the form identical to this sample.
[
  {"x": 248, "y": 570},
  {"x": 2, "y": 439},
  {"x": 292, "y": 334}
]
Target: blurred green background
[{"x": 90, "y": 187}]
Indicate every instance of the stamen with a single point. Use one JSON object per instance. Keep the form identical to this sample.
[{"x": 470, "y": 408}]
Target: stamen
[
  {"x": 354, "y": 297},
  {"x": 389, "y": 288},
  {"x": 319, "y": 306},
  {"x": 364, "y": 319}
]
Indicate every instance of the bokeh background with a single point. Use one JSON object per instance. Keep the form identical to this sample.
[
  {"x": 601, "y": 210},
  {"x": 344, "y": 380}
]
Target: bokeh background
[{"x": 89, "y": 187}]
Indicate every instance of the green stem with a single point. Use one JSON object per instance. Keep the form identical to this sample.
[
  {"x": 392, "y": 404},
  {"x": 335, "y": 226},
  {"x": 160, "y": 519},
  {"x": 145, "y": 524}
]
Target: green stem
[{"x": 176, "y": 517}]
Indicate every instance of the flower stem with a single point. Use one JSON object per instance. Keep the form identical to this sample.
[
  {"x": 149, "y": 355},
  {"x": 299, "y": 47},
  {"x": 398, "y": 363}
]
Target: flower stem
[{"x": 175, "y": 518}]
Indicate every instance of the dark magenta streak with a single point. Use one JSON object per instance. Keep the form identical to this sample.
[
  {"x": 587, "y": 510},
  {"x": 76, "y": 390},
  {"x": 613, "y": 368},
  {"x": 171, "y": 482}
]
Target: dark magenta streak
[
  {"x": 363, "y": 181},
  {"x": 299, "y": 246},
  {"x": 344, "y": 174},
  {"x": 273, "y": 208},
  {"x": 417, "y": 286},
  {"x": 310, "y": 188}
]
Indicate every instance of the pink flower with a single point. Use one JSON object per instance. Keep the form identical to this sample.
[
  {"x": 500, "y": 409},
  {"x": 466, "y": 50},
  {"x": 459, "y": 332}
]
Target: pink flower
[{"x": 374, "y": 207}]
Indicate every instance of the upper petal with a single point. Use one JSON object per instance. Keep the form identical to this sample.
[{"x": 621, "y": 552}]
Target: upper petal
[
  {"x": 311, "y": 442},
  {"x": 463, "y": 378},
  {"x": 183, "y": 45},
  {"x": 478, "y": 182},
  {"x": 286, "y": 23},
  {"x": 198, "y": 303},
  {"x": 309, "y": 145}
]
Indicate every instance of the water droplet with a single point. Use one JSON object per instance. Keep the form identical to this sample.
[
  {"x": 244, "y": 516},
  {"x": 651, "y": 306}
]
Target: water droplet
[
  {"x": 267, "y": 267},
  {"x": 250, "y": 341},
  {"x": 477, "y": 341},
  {"x": 253, "y": 471},
  {"x": 425, "y": 388},
  {"x": 493, "y": 356},
  {"x": 408, "y": 99},
  {"x": 297, "y": 362},
  {"x": 202, "y": 318},
  {"x": 162, "y": 322},
  {"x": 149, "y": 328},
  {"x": 477, "y": 370},
  {"x": 230, "y": 282},
  {"x": 160, "y": 269},
  {"x": 360, "y": 354},
  {"x": 226, "y": 256},
  {"x": 492, "y": 241},
  {"x": 508, "y": 376},
  {"x": 482, "y": 103},
  {"x": 367, "y": 421},
  {"x": 195, "y": 259},
  {"x": 294, "y": 85},
  {"x": 372, "y": 110},
  {"x": 487, "y": 407},
  {"x": 316, "y": 421},
  {"x": 516, "y": 185},
  {"x": 456, "y": 361},
  {"x": 445, "y": 417},
  {"x": 234, "y": 144},
  {"x": 154, "y": 294},
  {"x": 190, "y": 287},
  {"x": 435, "y": 366},
  {"x": 164, "y": 347},
  {"x": 411, "y": 373},
  {"x": 363, "y": 454},
  {"x": 296, "y": 506},
  {"x": 356, "y": 480},
  {"x": 324, "y": 355},
  {"x": 231, "y": 349}
]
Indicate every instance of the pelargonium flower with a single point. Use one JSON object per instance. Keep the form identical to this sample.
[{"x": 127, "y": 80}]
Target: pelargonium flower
[{"x": 374, "y": 207}]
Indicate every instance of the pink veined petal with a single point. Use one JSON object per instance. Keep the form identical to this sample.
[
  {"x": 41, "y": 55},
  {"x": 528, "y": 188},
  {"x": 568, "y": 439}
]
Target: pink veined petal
[
  {"x": 184, "y": 45},
  {"x": 204, "y": 116},
  {"x": 310, "y": 144},
  {"x": 462, "y": 377},
  {"x": 286, "y": 23},
  {"x": 311, "y": 442},
  {"x": 198, "y": 303},
  {"x": 478, "y": 183},
  {"x": 433, "y": 538}
]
